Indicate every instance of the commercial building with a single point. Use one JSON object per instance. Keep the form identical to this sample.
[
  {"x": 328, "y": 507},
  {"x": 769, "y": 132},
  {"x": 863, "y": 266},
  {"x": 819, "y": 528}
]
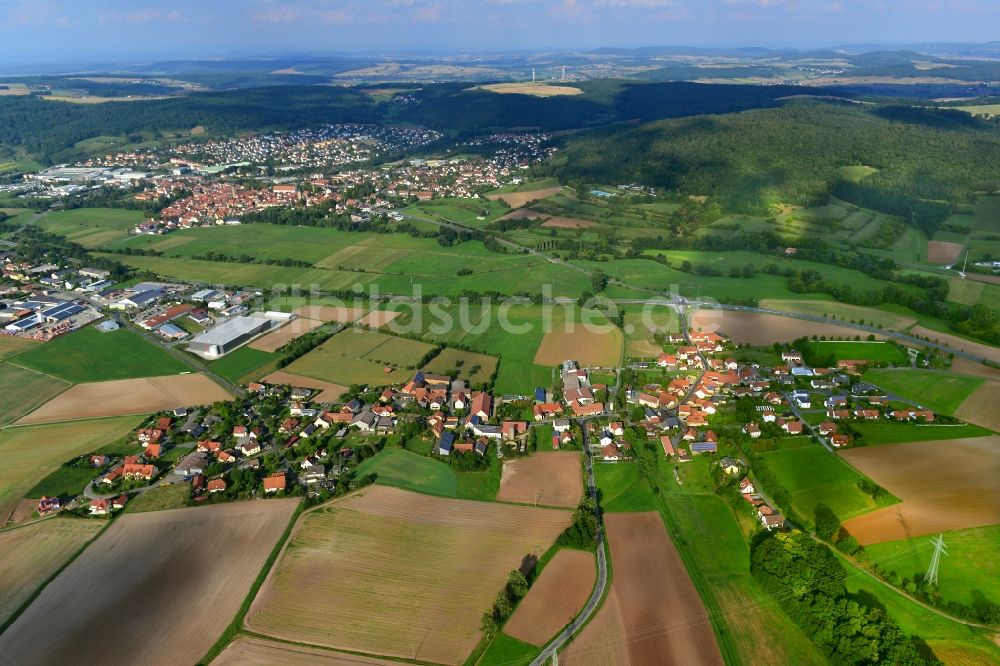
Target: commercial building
[{"x": 227, "y": 336}]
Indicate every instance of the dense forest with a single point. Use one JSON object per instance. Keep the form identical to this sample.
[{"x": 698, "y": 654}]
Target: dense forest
[
  {"x": 51, "y": 129},
  {"x": 748, "y": 161}
]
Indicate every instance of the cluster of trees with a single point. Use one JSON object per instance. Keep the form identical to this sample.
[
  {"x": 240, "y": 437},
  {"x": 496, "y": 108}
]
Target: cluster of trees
[
  {"x": 582, "y": 532},
  {"x": 808, "y": 581},
  {"x": 211, "y": 255},
  {"x": 506, "y": 601},
  {"x": 305, "y": 343}
]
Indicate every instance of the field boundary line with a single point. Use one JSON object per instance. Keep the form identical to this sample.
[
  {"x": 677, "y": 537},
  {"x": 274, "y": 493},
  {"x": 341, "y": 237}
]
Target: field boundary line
[
  {"x": 236, "y": 624},
  {"x": 41, "y": 588}
]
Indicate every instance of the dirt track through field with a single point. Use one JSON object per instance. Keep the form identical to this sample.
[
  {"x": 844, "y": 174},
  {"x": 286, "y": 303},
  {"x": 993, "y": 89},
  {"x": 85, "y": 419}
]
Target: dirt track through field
[
  {"x": 764, "y": 329},
  {"x": 555, "y": 598},
  {"x": 940, "y": 252},
  {"x": 155, "y": 588},
  {"x": 945, "y": 485},
  {"x": 519, "y": 199},
  {"x": 553, "y": 478},
  {"x": 390, "y": 572},
  {"x": 977, "y": 348},
  {"x": 277, "y": 339},
  {"x": 252, "y": 651},
  {"x": 128, "y": 396},
  {"x": 982, "y": 407},
  {"x": 595, "y": 346},
  {"x": 329, "y": 392},
  {"x": 662, "y": 618}
]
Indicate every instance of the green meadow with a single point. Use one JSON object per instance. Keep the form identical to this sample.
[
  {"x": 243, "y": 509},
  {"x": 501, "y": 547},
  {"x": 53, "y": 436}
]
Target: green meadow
[{"x": 939, "y": 391}]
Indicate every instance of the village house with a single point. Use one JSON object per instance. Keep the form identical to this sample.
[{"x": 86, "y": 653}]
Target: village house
[{"x": 274, "y": 483}]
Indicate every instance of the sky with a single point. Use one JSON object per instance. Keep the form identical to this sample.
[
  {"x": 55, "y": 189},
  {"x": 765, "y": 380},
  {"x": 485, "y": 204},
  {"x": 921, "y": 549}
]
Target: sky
[{"x": 77, "y": 30}]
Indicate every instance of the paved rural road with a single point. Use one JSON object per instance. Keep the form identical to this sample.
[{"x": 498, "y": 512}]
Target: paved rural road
[{"x": 602, "y": 566}]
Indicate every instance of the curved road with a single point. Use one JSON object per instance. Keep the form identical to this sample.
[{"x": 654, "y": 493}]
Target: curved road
[{"x": 602, "y": 565}]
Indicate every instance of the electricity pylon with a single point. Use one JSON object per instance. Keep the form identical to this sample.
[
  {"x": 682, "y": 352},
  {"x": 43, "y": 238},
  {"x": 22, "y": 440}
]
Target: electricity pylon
[{"x": 932, "y": 572}]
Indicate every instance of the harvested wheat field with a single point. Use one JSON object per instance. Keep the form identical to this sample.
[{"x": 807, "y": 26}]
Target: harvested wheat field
[
  {"x": 961, "y": 366},
  {"x": 324, "y": 313},
  {"x": 32, "y": 553},
  {"x": 591, "y": 346},
  {"x": 977, "y": 348},
  {"x": 568, "y": 223},
  {"x": 982, "y": 407},
  {"x": 945, "y": 485},
  {"x": 329, "y": 391},
  {"x": 10, "y": 346},
  {"x": 764, "y": 329},
  {"x": 128, "y": 396},
  {"x": 664, "y": 618},
  {"x": 940, "y": 252},
  {"x": 252, "y": 651},
  {"x": 378, "y": 318},
  {"x": 155, "y": 588},
  {"x": 519, "y": 199},
  {"x": 833, "y": 309},
  {"x": 395, "y": 573},
  {"x": 552, "y": 478},
  {"x": 605, "y": 639},
  {"x": 555, "y": 598},
  {"x": 279, "y": 338},
  {"x": 23, "y": 512}
]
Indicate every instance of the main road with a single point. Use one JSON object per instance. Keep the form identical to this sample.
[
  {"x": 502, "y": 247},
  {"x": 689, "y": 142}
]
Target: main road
[{"x": 602, "y": 564}]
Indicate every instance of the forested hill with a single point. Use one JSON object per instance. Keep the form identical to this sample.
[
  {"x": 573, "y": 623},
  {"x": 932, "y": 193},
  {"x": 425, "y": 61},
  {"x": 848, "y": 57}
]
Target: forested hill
[
  {"x": 791, "y": 154},
  {"x": 50, "y": 129}
]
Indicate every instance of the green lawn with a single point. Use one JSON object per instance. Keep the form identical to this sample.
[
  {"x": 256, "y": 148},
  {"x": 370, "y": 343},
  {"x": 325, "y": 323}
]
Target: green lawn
[
  {"x": 245, "y": 364},
  {"x": 507, "y": 651},
  {"x": 621, "y": 488},
  {"x": 24, "y": 391},
  {"x": 173, "y": 496},
  {"x": 482, "y": 486},
  {"x": 970, "y": 572},
  {"x": 400, "y": 468},
  {"x": 90, "y": 356},
  {"x": 939, "y": 391},
  {"x": 885, "y": 432},
  {"x": 93, "y": 227},
  {"x": 884, "y": 352},
  {"x": 813, "y": 475},
  {"x": 64, "y": 482}
]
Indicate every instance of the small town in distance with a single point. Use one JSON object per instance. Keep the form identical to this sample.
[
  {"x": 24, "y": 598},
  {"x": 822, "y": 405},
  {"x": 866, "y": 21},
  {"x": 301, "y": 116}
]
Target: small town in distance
[{"x": 431, "y": 352}]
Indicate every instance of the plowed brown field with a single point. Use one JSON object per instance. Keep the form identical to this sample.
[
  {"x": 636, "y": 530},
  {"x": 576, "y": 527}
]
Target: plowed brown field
[
  {"x": 329, "y": 313},
  {"x": 329, "y": 390},
  {"x": 395, "y": 573},
  {"x": 378, "y": 318},
  {"x": 555, "y": 598},
  {"x": 128, "y": 396},
  {"x": 553, "y": 478},
  {"x": 963, "y": 366},
  {"x": 155, "y": 588},
  {"x": 599, "y": 346},
  {"x": 293, "y": 329},
  {"x": 659, "y": 617},
  {"x": 940, "y": 252},
  {"x": 944, "y": 485},
  {"x": 764, "y": 329},
  {"x": 982, "y": 407},
  {"x": 518, "y": 199}
]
